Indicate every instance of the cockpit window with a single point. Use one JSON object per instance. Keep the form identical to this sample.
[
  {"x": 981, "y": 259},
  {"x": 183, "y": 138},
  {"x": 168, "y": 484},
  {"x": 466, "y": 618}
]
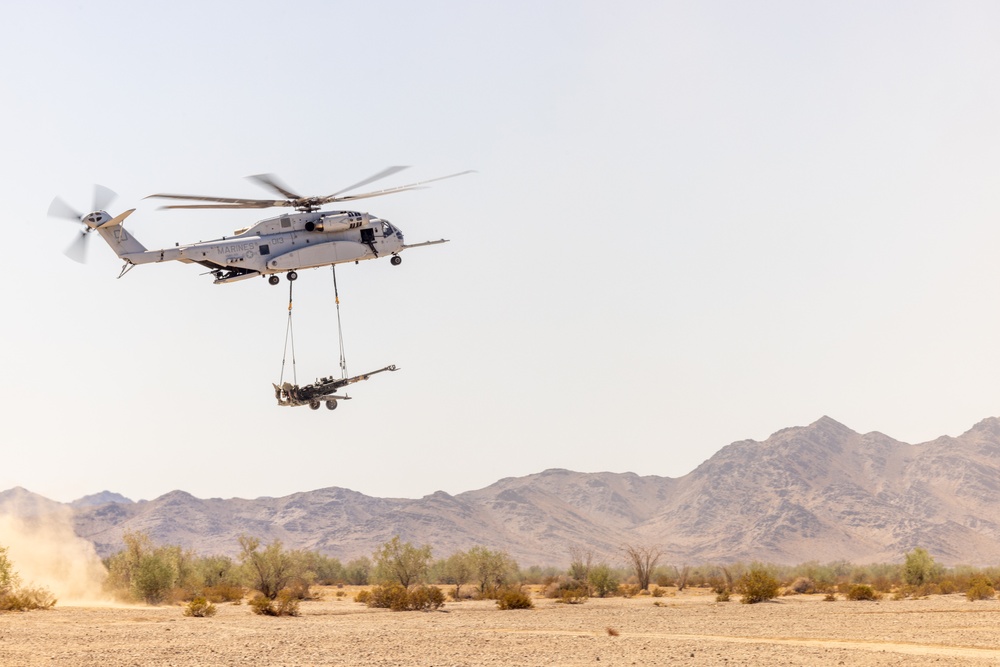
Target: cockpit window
[{"x": 386, "y": 229}]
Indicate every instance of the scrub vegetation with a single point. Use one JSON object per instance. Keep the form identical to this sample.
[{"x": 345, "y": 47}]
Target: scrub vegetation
[{"x": 401, "y": 576}]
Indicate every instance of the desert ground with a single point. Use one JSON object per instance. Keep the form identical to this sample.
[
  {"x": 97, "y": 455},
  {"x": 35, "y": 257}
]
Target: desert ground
[{"x": 689, "y": 628}]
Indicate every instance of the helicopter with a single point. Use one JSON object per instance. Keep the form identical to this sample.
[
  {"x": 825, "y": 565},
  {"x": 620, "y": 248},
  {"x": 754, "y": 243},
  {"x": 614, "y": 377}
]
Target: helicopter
[{"x": 306, "y": 238}]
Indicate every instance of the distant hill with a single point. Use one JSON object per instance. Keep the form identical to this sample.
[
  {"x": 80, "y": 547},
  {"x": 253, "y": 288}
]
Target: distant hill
[
  {"x": 102, "y": 498},
  {"x": 819, "y": 492}
]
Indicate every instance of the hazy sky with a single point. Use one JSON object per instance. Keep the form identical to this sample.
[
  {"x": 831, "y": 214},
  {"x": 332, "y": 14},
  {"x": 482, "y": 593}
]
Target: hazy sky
[{"x": 692, "y": 223}]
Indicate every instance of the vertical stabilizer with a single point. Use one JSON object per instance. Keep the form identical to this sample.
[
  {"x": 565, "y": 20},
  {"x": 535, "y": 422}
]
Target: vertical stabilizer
[{"x": 120, "y": 240}]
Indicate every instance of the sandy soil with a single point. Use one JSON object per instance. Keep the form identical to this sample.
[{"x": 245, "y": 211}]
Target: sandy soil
[{"x": 686, "y": 629}]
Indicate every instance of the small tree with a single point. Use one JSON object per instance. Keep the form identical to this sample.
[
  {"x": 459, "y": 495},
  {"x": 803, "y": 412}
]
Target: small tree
[
  {"x": 602, "y": 580},
  {"x": 642, "y": 559},
  {"x": 358, "y": 571},
  {"x": 153, "y": 578},
  {"x": 580, "y": 562},
  {"x": 267, "y": 571},
  {"x": 920, "y": 568},
  {"x": 494, "y": 569},
  {"x": 401, "y": 562},
  {"x": 8, "y": 577},
  {"x": 458, "y": 570}
]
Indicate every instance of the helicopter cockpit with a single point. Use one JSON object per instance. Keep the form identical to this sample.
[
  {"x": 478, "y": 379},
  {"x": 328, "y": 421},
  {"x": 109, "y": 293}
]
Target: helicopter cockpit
[{"x": 389, "y": 230}]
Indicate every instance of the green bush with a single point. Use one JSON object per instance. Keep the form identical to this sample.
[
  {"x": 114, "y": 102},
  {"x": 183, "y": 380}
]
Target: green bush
[
  {"x": 757, "y": 585},
  {"x": 153, "y": 578},
  {"x": 199, "y": 608},
  {"x": 514, "y": 598},
  {"x": 603, "y": 580}
]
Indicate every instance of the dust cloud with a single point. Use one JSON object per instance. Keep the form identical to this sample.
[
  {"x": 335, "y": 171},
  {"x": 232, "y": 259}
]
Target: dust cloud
[{"x": 46, "y": 552}]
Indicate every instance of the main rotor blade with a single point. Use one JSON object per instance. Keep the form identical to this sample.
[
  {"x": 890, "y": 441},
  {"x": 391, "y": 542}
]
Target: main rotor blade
[
  {"x": 267, "y": 204},
  {"x": 249, "y": 203},
  {"x": 388, "y": 171},
  {"x": 103, "y": 197},
  {"x": 389, "y": 191},
  {"x": 272, "y": 181},
  {"x": 60, "y": 209},
  {"x": 77, "y": 250}
]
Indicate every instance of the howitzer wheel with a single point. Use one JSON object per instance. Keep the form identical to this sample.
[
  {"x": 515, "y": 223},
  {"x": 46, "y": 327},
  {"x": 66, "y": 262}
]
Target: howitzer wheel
[{"x": 331, "y": 405}]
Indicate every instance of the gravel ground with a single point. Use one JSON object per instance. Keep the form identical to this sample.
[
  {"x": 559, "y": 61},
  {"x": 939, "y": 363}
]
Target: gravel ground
[{"x": 686, "y": 629}]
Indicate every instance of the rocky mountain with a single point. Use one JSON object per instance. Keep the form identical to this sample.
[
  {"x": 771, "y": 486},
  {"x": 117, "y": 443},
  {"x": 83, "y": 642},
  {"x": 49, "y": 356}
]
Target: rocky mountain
[
  {"x": 102, "y": 498},
  {"x": 819, "y": 492}
]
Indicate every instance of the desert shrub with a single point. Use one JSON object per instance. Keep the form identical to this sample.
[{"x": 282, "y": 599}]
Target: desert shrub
[
  {"x": 628, "y": 590},
  {"x": 830, "y": 597},
  {"x": 363, "y": 596},
  {"x": 514, "y": 598},
  {"x": 389, "y": 596},
  {"x": 947, "y": 586},
  {"x": 722, "y": 596},
  {"x": 223, "y": 593},
  {"x": 862, "y": 592},
  {"x": 603, "y": 580},
  {"x": 424, "y": 598},
  {"x": 802, "y": 586},
  {"x": 980, "y": 588},
  {"x": 757, "y": 585},
  {"x": 572, "y": 596},
  {"x": 397, "y": 598},
  {"x": 284, "y": 604},
  {"x": 199, "y": 607},
  {"x": 567, "y": 590},
  {"x": 657, "y": 591},
  {"x": 261, "y": 605},
  {"x": 26, "y": 599}
]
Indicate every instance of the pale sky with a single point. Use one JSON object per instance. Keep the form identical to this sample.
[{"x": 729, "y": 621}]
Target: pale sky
[{"x": 692, "y": 223}]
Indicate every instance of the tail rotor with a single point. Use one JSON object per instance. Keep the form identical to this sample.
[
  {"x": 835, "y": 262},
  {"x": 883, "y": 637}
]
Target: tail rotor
[{"x": 77, "y": 250}]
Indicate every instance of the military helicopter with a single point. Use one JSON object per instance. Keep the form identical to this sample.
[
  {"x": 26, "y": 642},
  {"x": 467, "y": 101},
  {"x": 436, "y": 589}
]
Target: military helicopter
[{"x": 287, "y": 243}]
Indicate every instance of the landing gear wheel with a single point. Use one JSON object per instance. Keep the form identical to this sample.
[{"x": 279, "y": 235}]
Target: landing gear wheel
[
  {"x": 292, "y": 275},
  {"x": 331, "y": 405},
  {"x": 274, "y": 280},
  {"x": 396, "y": 260},
  {"x": 314, "y": 405}
]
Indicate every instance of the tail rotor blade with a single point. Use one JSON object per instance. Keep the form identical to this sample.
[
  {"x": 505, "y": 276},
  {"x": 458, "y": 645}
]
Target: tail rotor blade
[
  {"x": 103, "y": 197},
  {"x": 77, "y": 250},
  {"x": 60, "y": 209}
]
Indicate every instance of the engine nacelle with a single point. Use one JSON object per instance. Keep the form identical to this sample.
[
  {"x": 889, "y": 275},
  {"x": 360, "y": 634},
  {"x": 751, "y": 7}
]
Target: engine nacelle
[{"x": 337, "y": 222}]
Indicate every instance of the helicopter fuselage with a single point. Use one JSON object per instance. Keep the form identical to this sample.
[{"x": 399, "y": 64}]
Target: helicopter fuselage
[{"x": 282, "y": 244}]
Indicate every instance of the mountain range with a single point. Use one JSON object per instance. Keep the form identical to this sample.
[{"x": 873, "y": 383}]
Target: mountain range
[{"x": 818, "y": 492}]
